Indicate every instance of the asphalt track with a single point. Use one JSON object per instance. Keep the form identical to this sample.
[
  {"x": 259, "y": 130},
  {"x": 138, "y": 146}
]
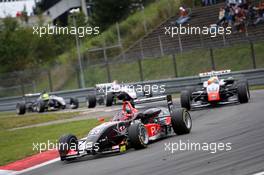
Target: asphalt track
[{"x": 242, "y": 125}]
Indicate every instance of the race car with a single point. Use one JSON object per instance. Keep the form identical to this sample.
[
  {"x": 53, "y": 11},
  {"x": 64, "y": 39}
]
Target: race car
[
  {"x": 129, "y": 128},
  {"x": 216, "y": 91},
  {"x": 108, "y": 93},
  {"x": 44, "y": 102}
]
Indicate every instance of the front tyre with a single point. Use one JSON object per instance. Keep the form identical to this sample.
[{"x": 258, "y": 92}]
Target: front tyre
[
  {"x": 109, "y": 99},
  {"x": 138, "y": 136},
  {"x": 41, "y": 106},
  {"x": 67, "y": 142},
  {"x": 21, "y": 108},
  {"x": 243, "y": 92},
  {"x": 186, "y": 99},
  {"x": 181, "y": 121},
  {"x": 91, "y": 101}
]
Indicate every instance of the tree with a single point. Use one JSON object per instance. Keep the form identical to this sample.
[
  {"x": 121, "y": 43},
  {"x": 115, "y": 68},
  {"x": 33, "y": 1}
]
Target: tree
[{"x": 109, "y": 12}]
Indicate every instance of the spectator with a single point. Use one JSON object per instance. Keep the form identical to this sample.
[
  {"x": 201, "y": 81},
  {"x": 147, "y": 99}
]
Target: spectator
[
  {"x": 183, "y": 16},
  {"x": 221, "y": 16},
  {"x": 239, "y": 22},
  {"x": 238, "y": 15},
  {"x": 260, "y": 13},
  {"x": 208, "y": 2},
  {"x": 260, "y": 17}
]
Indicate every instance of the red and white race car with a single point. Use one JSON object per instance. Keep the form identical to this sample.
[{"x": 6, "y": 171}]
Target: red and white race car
[
  {"x": 216, "y": 91},
  {"x": 128, "y": 128}
]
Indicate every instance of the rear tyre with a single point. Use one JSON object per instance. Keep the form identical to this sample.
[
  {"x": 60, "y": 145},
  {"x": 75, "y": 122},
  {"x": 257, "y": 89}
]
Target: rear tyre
[
  {"x": 186, "y": 99},
  {"x": 67, "y": 142},
  {"x": 138, "y": 136},
  {"x": 91, "y": 101},
  {"x": 74, "y": 103},
  {"x": 109, "y": 99},
  {"x": 243, "y": 92},
  {"x": 40, "y": 106},
  {"x": 21, "y": 108},
  {"x": 181, "y": 121}
]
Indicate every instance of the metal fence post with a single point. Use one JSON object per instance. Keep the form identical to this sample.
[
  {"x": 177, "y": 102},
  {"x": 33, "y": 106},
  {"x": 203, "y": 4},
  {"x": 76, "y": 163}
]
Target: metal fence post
[
  {"x": 78, "y": 45},
  {"x": 161, "y": 46},
  {"x": 50, "y": 81},
  {"x": 141, "y": 50},
  {"x": 119, "y": 41},
  {"x": 140, "y": 69},
  {"x": 140, "y": 62},
  {"x": 78, "y": 77},
  {"x": 253, "y": 56},
  {"x": 212, "y": 58},
  {"x": 22, "y": 89},
  {"x": 224, "y": 39},
  {"x": 180, "y": 43},
  {"x": 107, "y": 65},
  {"x": 175, "y": 65},
  {"x": 201, "y": 40}
]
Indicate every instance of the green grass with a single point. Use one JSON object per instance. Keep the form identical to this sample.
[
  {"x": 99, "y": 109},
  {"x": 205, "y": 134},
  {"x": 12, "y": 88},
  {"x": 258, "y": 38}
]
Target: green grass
[
  {"x": 18, "y": 144},
  {"x": 237, "y": 57},
  {"x": 125, "y": 72},
  {"x": 10, "y": 120},
  {"x": 159, "y": 68},
  {"x": 257, "y": 87}
]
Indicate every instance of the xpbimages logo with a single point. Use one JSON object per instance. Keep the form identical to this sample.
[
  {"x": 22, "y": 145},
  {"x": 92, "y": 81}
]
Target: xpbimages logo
[
  {"x": 50, "y": 145},
  {"x": 212, "y": 31},
  {"x": 57, "y": 30},
  {"x": 213, "y": 147}
]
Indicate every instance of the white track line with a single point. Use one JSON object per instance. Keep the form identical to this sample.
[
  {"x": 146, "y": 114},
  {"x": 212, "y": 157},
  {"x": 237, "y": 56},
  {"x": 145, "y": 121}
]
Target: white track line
[
  {"x": 7, "y": 172},
  {"x": 260, "y": 173}
]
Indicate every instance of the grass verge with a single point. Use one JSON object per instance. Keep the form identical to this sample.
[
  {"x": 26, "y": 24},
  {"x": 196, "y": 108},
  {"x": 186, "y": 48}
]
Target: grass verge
[
  {"x": 18, "y": 144},
  {"x": 10, "y": 120}
]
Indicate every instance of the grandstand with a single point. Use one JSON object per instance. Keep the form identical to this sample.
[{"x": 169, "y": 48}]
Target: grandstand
[{"x": 156, "y": 42}]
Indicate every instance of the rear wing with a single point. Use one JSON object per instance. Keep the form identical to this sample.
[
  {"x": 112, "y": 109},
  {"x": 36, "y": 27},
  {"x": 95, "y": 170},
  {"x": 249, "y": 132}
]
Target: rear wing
[
  {"x": 104, "y": 85},
  {"x": 32, "y": 95},
  {"x": 214, "y": 73},
  {"x": 167, "y": 98}
]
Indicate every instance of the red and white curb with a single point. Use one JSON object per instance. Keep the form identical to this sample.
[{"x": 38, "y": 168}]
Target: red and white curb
[{"x": 30, "y": 163}]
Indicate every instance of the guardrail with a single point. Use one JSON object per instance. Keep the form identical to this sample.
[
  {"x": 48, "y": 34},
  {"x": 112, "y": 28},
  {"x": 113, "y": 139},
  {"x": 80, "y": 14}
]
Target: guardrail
[{"x": 254, "y": 77}]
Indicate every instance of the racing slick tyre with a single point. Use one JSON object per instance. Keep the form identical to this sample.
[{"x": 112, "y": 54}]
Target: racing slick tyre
[
  {"x": 181, "y": 121},
  {"x": 40, "y": 106},
  {"x": 91, "y": 101},
  {"x": 109, "y": 99},
  {"x": 67, "y": 142},
  {"x": 21, "y": 108},
  {"x": 186, "y": 99},
  {"x": 74, "y": 103},
  {"x": 138, "y": 136},
  {"x": 243, "y": 92}
]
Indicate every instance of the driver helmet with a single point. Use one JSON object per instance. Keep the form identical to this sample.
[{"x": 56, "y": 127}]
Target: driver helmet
[
  {"x": 213, "y": 80},
  {"x": 45, "y": 95}
]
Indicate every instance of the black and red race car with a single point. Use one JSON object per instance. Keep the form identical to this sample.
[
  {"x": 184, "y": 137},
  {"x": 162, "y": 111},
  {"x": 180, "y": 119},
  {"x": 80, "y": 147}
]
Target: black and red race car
[{"x": 129, "y": 128}]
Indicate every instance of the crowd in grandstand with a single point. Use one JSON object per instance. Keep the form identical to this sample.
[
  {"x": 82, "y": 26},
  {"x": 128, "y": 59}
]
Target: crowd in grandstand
[{"x": 238, "y": 15}]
